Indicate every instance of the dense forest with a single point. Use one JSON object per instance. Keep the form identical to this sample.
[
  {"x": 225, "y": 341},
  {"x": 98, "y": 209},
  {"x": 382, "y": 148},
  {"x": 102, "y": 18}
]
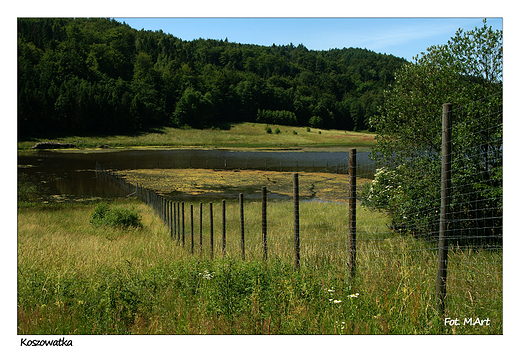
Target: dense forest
[{"x": 99, "y": 76}]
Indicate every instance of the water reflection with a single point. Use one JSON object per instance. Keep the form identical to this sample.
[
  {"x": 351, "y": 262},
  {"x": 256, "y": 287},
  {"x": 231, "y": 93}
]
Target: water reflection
[{"x": 72, "y": 173}]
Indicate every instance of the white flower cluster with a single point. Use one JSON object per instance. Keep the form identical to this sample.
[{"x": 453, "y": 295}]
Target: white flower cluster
[
  {"x": 332, "y": 300},
  {"x": 342, "y": 325},
  {"x": 206, "y": 274},
  {"x": 331, "y": 291}
]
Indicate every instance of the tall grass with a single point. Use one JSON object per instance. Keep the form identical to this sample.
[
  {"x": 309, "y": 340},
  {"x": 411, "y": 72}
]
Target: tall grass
[{"x": 77, "y": 279}]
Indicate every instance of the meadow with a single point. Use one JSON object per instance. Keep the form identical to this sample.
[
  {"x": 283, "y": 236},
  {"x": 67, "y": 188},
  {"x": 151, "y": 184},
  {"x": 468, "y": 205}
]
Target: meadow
[
  {"x": 240, "y": 135},
  {"x": 74, "y": 278}
]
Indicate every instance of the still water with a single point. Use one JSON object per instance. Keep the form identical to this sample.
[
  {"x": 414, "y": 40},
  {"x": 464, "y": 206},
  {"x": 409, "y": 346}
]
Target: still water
[{"x": 72, "y": 173}]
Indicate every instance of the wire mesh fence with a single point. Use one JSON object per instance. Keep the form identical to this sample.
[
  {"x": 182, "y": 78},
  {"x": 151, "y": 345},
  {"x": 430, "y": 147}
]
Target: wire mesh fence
[{"x": 397, "y": 220}]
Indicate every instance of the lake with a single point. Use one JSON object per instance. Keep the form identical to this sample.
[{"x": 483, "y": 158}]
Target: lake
[{"x": 73, "y": 173}]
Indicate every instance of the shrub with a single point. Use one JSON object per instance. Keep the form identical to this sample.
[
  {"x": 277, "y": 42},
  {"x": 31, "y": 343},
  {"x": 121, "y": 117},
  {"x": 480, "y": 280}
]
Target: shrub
[
  {"x": 282, "y": 117},
  {"x": 277, "y": 131},
  {"x": 268, "y": 130},
  {"x": 117, "y": 217},
  {"x": 316, "y": 121}
]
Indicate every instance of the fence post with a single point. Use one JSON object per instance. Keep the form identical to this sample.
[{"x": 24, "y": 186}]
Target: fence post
[
  {"x": 179, "y": 222},
  {"x": 200, "y": 228},
  {"x": 183, "y": 229},
  {"x": 223, "y": 227},
  {"x": 264, "y": 220},
  {"x": 242, "y": 237},
  {"x": 296, "y": 196},
  {"x": 191, "y": 218},
  {"x": 352, "y": 211},
  {"x": 172, "y": 220},
  {"x": 211, "y": 228},
  {"x": 445, "y": 202}
]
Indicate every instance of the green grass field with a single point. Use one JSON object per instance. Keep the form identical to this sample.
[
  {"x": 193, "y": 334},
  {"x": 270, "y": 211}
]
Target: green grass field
[
  {"x": 242, "y": 135},
  {"x": 77, "y": 279}
]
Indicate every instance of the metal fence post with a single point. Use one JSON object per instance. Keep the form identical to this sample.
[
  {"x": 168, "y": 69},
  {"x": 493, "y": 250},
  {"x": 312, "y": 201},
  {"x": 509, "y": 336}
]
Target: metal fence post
[
  {"x": 445, "y": 202},
  {"x": 352, "y": 211},
  {"x": 296, "y": 197}
]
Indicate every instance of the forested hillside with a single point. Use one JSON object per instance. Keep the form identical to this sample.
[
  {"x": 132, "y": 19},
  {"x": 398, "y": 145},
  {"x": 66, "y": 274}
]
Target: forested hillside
[{"x": 100, "y": 76}]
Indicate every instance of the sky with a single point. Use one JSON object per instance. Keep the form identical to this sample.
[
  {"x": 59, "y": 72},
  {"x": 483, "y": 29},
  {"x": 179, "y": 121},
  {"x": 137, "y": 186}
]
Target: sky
[{"x": 403, "y": 37}]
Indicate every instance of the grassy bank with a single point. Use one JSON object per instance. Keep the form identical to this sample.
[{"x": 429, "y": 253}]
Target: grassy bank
[
  {"x": 77, "y": 279},
  {"x": 229, "y": 183},
  {"x": 244, "y": 135}
]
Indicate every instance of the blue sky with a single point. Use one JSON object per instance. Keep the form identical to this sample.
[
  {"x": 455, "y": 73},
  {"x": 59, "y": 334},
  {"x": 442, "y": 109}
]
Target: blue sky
[{"x": 402, "y": 37}]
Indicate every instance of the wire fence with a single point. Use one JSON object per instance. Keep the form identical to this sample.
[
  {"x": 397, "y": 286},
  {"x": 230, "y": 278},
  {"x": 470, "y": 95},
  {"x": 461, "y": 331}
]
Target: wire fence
[{"x": 383, "y": 230}]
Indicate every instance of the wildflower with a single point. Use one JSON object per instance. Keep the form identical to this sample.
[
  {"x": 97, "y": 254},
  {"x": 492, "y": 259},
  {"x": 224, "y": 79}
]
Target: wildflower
[
  {"x": 207, "y": 275},
  {"x": 354, "y": 295},
  {"x": 337, "y": 301}
]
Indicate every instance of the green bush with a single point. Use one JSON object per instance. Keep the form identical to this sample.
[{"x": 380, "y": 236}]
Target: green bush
[
  {"x": 117, "y": 217},
  {"x": 316, "y": 121},
  {"x": 268, "y": 130},
  {"x": 277, "y": 131}
]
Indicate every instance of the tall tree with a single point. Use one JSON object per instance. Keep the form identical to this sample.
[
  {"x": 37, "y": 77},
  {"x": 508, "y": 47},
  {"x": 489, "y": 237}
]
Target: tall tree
[{"x": 466, "y": 70}]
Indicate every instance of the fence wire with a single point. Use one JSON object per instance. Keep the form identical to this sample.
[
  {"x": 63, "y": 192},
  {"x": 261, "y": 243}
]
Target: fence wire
[{"x": 397, "y": 220}]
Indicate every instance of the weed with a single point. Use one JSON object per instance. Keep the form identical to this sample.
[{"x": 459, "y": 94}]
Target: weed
[{"x": 117, "y": 217}]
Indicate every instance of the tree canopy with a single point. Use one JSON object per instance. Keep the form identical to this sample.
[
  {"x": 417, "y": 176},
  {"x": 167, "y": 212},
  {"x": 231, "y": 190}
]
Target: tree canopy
[
  {"x": 467, "y": 72},
  {"x": 95, "y": 76}
]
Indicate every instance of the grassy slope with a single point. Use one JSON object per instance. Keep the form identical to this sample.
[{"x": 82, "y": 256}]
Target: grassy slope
[
  {"x": 242, "y": 135},
  {"x": 75, "y": 279}
]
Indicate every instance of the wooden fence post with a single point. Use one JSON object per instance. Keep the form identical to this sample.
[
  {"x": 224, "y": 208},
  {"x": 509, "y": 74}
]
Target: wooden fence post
[
  {"x": 173, "y": 228},
  {"x": 296, "y": 197},
  {"x": 191, "y": 218},
  {"x": 264, "y": 221},
  {"x": 211, "y": 228},
  {"x": 200, "y": 228},
  {"x": 178, "y": 206},
  {"x": 183, "y": 229},
  {"x": 442, "y": 270},
  {"x": 223, "y": 227},
  {"x": 174, "y": 220},
  {"x": 352, "y": 211},
  {"x": 242, "y": 231}
]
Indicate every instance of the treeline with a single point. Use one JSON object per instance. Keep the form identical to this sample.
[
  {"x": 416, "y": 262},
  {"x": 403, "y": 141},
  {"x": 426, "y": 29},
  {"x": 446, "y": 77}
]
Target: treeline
[{"x": 94, "y": 76}]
